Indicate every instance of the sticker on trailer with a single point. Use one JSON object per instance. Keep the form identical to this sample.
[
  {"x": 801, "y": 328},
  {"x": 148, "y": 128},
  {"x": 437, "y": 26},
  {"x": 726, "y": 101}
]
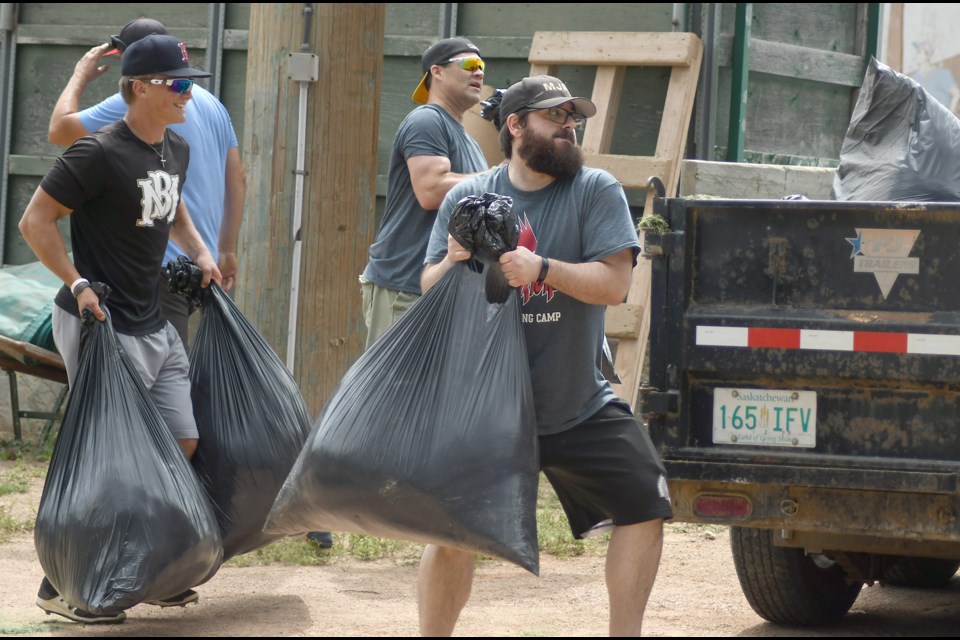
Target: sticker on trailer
[{"x": 884, "y": 253}]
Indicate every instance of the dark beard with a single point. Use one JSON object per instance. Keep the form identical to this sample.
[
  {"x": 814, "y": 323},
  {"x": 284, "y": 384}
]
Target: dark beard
[{"x": 541, "y": 155}]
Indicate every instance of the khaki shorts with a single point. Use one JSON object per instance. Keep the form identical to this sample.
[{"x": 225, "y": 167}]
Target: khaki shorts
[{"x": 382, "y": 307}]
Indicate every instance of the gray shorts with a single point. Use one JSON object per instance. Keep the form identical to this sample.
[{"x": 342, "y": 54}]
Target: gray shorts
[
  {"x": 159, "y": 359},
  {"x": 606, "y": 472}
]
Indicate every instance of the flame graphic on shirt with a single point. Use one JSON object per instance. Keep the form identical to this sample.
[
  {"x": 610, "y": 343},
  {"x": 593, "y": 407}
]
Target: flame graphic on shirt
[{"x": 528, "y": 239}]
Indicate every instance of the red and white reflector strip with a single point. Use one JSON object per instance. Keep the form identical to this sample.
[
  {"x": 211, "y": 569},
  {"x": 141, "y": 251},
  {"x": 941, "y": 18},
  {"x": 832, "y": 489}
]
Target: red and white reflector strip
[{"x": 819, "y": 340}]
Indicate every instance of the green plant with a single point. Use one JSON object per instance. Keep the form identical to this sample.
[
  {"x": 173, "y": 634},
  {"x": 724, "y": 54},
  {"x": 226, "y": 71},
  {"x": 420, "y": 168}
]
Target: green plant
[{"x": 9, "y": 526}]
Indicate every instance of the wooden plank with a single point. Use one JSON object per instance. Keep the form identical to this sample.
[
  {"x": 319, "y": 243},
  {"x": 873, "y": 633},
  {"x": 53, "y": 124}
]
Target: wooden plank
[
  {"x": 624, "y": 321},
  {"x": 677, "y": 111},
  {"x": 19, "y": 350},
  {"x": 754, "y": 181},
  {"x": 796, "y": 62},
  {"x": 631, "y": 171},
  {"x": 614, "y": 48},
  {"x": 607, "y": 89}
]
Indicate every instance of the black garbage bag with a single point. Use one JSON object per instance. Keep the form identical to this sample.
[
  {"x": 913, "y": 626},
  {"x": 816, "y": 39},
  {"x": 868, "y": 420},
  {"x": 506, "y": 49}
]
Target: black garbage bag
[
  {"x": 122, "y": 518},
  {"x": 901, "y": 145},
  {"x": 431, "y": 434},
  {"x": 487, "y": 227},
  {"x": 252, "y": 421}
]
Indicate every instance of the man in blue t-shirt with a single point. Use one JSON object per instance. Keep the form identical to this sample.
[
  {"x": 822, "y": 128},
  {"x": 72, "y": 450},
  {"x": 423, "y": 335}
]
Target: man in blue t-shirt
[
  {"x": 431, "y": 153},
  {"x": 576, "y": 253},
  {"x": 216, "y": 186}
]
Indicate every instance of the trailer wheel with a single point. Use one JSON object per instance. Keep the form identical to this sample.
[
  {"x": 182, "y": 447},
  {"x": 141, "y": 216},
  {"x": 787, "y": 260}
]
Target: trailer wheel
[
  {"x": 921, "y": 573},
  {"x": 786, "y": 586}
]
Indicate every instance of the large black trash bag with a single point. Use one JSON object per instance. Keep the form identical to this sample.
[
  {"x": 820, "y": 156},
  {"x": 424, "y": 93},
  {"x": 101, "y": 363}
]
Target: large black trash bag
[
  {"x": 901, "y": 145},
  {"x": 431, "y": 434},
  {"x": 487, "y": 227},
  {"x": 122, "y": 518},
  {"x": 252, "y": 420}
]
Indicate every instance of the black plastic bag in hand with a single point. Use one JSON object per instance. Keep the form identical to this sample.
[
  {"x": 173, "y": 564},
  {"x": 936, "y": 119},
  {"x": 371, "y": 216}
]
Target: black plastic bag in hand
[
  {"x": 486, "y": 226},
  {"x": 252, "y": 420},
  {"x": 122, "y": 518},
  {"x": 431, "y": 434},
  {"x": 185, "y": 277},
  {"x": 901, "y": 145}
]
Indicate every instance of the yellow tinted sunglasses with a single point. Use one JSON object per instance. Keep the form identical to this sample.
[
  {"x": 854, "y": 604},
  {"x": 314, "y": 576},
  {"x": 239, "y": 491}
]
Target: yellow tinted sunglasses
[{"x": 467, "y": 64}]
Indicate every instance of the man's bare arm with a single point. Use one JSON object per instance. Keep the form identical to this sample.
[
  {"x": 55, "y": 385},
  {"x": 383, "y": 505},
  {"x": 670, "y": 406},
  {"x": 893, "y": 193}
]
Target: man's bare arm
[
  {"x": 234, "y": 198},
  {"x": 65, "y": 127}
]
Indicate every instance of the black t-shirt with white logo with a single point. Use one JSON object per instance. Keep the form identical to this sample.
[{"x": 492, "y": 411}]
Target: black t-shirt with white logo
[{"x": 124, "y": 201}]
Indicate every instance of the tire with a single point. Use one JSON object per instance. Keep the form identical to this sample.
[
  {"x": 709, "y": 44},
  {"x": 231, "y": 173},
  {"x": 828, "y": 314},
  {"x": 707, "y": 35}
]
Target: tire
[
  {"x": 921, "y": 573},
  {"x": 785, "y": 586}
]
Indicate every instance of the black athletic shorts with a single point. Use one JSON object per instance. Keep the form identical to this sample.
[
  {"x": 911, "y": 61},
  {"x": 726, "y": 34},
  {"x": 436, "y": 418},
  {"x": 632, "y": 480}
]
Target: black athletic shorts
[{"x": 606, "y": 472}]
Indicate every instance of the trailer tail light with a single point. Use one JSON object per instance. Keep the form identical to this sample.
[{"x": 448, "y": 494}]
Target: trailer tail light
[{"x": 722, "y": 506}]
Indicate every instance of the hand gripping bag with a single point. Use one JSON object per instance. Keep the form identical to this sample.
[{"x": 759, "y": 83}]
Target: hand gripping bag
[
  {"x": 431, "y": 434},
  {"x": 122, "y": 518},
  {"x": 252, "y": 420},
  {"x": 901, "y": 145}
]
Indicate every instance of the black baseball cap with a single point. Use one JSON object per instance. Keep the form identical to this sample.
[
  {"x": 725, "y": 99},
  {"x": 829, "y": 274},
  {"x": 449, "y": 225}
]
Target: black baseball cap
[
  {"x": 133, "y": 31},
  {"x": 542, "y": 92},
  {"x": 438, "y": 53},
  {"x": 161, "y": 55}
]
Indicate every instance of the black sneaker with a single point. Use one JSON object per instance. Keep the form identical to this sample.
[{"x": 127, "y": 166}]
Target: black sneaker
[
  {"x": 323, "y": 539},
  {"x": 180, "y": 600},
  {"x": 50, "y": 601}
]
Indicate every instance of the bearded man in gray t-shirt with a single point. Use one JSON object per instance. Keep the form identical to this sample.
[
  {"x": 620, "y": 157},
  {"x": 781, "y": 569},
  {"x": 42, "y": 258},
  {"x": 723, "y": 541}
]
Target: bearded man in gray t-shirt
[{"x": 576, "y": 254}]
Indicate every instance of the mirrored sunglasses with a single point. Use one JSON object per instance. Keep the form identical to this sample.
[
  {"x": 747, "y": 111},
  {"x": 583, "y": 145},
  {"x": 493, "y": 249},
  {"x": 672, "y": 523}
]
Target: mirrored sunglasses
[
  {"x": 177, "y": 85},
  {"x": 468, "y": 64}
]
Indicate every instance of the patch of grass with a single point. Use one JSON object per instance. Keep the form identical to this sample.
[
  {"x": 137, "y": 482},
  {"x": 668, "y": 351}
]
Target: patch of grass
[
  {"x": 25, "y": 450},
  {"x": 9, "y": 526},
  {"x": 22, "y": 629},
  {"x": 13, "y": 481}
]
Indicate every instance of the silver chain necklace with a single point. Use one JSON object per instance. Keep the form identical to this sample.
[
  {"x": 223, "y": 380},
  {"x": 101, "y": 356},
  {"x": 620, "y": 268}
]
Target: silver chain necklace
[{"x": 163, "y": 148}]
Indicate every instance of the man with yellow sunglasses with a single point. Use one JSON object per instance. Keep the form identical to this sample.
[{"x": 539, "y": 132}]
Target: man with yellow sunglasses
[{"x": 431, "y": 153}]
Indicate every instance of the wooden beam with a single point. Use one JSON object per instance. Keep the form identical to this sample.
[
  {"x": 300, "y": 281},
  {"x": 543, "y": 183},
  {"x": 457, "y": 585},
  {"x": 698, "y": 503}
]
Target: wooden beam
[
  {"x": 631, "y": 171},
  {"x": 614, "y": 48}
]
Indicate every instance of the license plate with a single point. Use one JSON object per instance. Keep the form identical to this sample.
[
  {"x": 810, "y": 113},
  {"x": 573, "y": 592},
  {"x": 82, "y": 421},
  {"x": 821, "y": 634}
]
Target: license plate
[{"x": 768, "y": 417}]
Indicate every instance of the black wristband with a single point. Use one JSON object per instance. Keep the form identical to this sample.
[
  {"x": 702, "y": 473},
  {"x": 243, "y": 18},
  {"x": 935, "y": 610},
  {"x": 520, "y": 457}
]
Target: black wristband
[
  {"x": 544, "y": 268},
  {"x": 80, "y": 288}
]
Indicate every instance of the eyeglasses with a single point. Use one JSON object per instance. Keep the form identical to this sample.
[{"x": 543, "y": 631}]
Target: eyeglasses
[
  {"x": 467, "y": 64},
  {"x": 560, "y": 115},
  {"x": 177, "y": 85}
]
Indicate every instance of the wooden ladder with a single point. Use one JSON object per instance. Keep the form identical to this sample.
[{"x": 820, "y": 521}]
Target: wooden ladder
[{"x": 612, "y": 53}]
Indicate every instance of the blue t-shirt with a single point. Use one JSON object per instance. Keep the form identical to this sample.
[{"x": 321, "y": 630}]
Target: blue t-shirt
[
  {"x": 396, "y": 255},
  {"x": 209, "y": 132},
  {"x": 584, "y": 219}
]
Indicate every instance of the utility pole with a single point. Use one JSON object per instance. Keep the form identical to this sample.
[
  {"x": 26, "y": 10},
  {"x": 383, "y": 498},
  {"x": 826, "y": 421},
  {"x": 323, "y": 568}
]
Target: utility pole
[{"x": 314, "y": 74}]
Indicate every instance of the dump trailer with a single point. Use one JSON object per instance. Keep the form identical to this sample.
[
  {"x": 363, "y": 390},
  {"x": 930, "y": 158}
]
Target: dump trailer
[{"x": 804, "y": 388}]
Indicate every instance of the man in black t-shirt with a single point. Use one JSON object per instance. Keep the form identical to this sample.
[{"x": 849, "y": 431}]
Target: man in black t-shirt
[{"x": 121, "y": 188}]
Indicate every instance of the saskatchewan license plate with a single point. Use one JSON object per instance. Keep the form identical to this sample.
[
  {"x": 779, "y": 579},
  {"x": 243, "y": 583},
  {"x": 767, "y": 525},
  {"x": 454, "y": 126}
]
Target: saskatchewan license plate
[{"x": 769, "y": 417}]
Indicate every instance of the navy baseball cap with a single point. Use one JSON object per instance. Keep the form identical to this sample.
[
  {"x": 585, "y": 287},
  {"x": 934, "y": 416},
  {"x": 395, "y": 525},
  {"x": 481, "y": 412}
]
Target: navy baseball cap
[
  {"x": 133, "y": 31},
  {"x": 160, "y": 55}
]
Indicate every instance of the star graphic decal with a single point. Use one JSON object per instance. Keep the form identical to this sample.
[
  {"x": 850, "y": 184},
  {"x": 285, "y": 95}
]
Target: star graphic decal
[{"x": 856, "y": 242}]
